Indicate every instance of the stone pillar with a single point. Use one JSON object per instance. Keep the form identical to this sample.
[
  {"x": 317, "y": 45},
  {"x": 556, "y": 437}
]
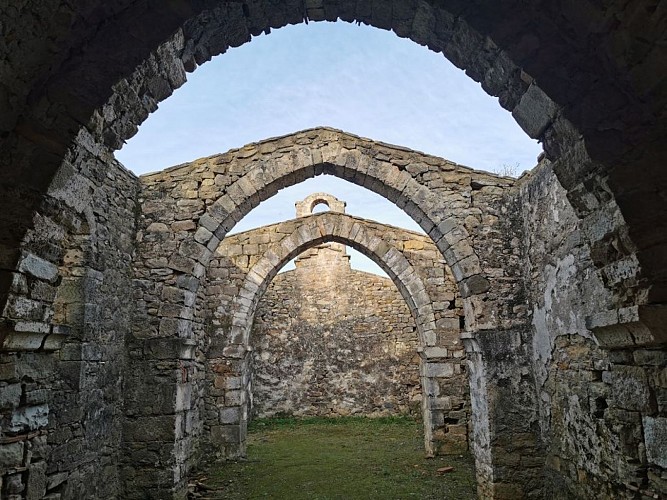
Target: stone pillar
[
  {"x": 480, "y": 440},
  {"x": 228, "y": 400},
  {"x": 444, "y": 404},
  {"x": 162, "y": 423},
  {"x": 508, "y": 456}
]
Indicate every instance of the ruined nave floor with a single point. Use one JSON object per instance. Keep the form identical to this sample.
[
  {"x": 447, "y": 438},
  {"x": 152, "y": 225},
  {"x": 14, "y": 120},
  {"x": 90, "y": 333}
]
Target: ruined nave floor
[{"x": 348, "y": 458}]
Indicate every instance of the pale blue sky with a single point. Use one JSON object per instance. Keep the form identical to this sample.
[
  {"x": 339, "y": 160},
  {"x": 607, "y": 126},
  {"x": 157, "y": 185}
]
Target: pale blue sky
[{"x": 359, "y": 79}]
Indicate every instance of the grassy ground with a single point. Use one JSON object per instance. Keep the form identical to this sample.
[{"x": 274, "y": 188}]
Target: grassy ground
[{"x": 344, "y": 458}]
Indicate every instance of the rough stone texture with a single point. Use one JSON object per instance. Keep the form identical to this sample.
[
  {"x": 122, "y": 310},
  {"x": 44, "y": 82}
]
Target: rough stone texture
[
  {"x": 334, "y": 341},
  {"x": 243, "y": 266},
  {"x": 81, "y": 76},
  {"x": 76, "y": 80},
  {"x": 329, "y": 341},
  {"x": 449, "y": 201},
  {"x": 599, "y": 107},
  {"x": 591, "y": 401},
  {"x": 508, "y": 451},
  {"x": 61, "y": 383},
  {"x": 554, "y": 308},
  {"x": 174, "y": 263}
]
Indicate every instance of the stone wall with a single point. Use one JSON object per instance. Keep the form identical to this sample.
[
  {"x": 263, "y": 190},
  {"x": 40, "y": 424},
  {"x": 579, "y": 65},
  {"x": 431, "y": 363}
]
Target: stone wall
[
  {"x": 329, "y": 340},
  {"x": 61, "y": 383},
  {"x": 409, "y": 258},
  {"x": 565, "y": 356},
  {"x": 87, "y": 73},
  {"x": 457, "y": 207},
  {"x": 601, "y": 410}
]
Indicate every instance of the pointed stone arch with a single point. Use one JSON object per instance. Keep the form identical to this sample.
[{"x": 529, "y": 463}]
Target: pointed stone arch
[
  {"x": 222, "y": 189},
  {"x": 233, "y": 342},
  {"x": 339, "y": 228},
  {"x": 188, "y": 210},
  {"x": 495, "y": 44}
]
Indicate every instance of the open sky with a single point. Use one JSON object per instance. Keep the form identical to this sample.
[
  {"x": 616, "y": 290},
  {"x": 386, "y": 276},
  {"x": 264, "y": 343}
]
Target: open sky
[{"x": 359, "y": 79}]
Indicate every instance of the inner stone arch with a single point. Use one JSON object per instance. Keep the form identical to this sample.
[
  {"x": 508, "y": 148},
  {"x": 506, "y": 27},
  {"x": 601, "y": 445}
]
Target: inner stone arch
[{"x": 440, "y": 351}]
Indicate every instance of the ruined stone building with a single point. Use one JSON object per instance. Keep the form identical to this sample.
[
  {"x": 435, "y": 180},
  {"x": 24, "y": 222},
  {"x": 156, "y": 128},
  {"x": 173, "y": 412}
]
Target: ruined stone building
[
  {"x": 329, "y": 340},
  {"x": 127, "y": 349}
]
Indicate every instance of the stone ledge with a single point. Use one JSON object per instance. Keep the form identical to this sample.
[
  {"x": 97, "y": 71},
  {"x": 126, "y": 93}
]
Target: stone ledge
[
  {"x": 169, "y": 348},
  {"x": 630, "y": 326},
  {"x": 32, "y": 336}
]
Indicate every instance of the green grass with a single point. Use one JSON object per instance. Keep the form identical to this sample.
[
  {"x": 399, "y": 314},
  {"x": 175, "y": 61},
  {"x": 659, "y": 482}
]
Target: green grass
[{"x": 342, "y": 458}]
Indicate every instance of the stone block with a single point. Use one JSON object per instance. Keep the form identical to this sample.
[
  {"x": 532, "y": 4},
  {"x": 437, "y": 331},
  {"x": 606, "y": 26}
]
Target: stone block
[
  {"x": 438, "y": 369},
  {"x": 452, "y": 445},
  {"x": 441, "y": 403},
  {"x": 175, "y": 327},
  {"x": 182, "y": 264},
  {"x": 157, "y": 227},
  {"x": 30, "y": 418},
  {"x": 11, "y": 455},
  {"x": 36, "y": 397},
  {"x": 23, "y": 341},
  {"x": 36, "y": 484},
  {"x": 38, "y": 268},
  {"x": 234, "y": 398},
  {"x": 629, "y": 388},
  {"x": 22, "y": 308},
  {"x": 655, "y": 439},
  {"x": 222, "y": 434},
  {"x": 650, "y": 357},
  {"x": 230, "y": 415},
  {"x": 203, "y": 235},
  {"x": 168, "y": 348},
  {"x": 534, "y": 112},
  {"x": 451, "y": 324},
  {"x": 183, "y": 397},
  {"x": 150, "y": 428},
  {"x": 474, "y": 285},
  {"x": 435, "y": 352},
  {"x": 209, "y": 223},
  {"x": 507, "y": 491}
]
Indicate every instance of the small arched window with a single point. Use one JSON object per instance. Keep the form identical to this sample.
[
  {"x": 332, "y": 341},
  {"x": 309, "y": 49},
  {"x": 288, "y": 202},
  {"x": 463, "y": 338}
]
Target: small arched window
[{"x": 319, "y": 206}]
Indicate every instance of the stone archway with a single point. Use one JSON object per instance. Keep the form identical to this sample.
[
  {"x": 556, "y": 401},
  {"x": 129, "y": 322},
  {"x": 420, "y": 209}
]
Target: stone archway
[
  {"x": 599, "y": 65},
  {"x": 306, "y": 206},
  {"x": 221, "y": 189},
  {"x": 444, "y": 198},
  {"x": 46, "y": 122},
  {"x": 233, "y": 343}
]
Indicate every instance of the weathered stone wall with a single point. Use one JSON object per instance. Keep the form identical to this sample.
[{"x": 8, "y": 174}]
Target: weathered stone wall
[
  {"x": 601, "y": 410},
  {"x": 508, "y": 452},
  {"x": 329, "y": 340},
  {"x": 61, "y": 384},
  {"x": 444, "y": 198},
  {"x": 564, "y": 356},
  {"x": 410, "y": 258},
  {"x": 599, "y": 110},
  {"x": 90, "y": 64},
  {"x": 473, "y": 218}
]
